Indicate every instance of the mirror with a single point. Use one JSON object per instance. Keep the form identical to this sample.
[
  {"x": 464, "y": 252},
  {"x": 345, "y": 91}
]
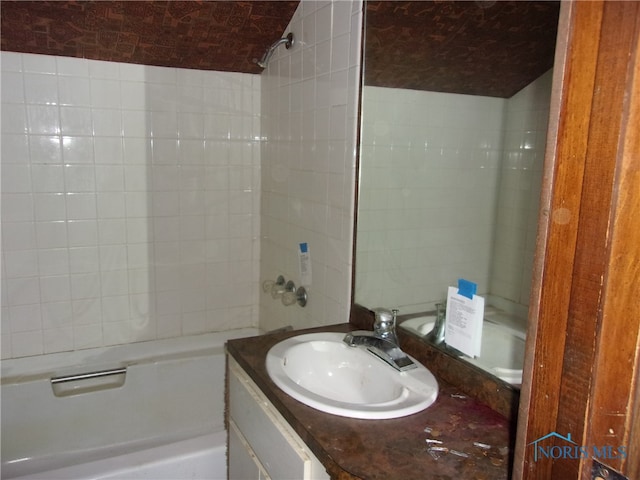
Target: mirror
[{"x": 455, "y": 106}]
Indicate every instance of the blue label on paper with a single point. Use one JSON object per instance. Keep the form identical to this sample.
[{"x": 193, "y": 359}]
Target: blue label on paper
[{"x": 467, "y": 288}]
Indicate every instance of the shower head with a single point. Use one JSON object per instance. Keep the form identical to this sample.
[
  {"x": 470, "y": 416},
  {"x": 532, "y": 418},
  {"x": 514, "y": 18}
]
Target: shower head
[{"x": 287, "y": 41}]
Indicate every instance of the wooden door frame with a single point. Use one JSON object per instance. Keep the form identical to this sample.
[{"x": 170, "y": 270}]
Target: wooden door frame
[{"x": 582, "y": 354}]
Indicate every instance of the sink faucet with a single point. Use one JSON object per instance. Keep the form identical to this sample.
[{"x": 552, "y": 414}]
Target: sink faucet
[
  {"x": 436, "y": 335},
  {"x": 382, "y": 342}
]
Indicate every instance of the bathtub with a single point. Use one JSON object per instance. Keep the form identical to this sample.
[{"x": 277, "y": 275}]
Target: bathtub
[{"x": 150, "y": 410}]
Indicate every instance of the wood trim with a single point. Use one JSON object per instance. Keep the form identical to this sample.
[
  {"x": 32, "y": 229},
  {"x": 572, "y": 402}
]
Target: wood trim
[
  {"x": 633, "y": 468},
  {"x": 585, "y": 242},
  {"x": 553, "y": 277},
  {"x": 616, "y": 39},
  {"x": 612, "y": 420},
  {"x": 559, "y": 69}
]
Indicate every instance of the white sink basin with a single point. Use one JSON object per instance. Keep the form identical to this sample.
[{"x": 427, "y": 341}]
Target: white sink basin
[
  {"x": 501, "y": 351},
  {"x": 321, "y": 371}
]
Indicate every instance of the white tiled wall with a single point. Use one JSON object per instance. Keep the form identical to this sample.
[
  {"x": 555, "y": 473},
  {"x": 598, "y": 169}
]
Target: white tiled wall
[
  {"x": 309, "y": 111},
  {"x": 526, "y": 121},
  {"x": 439, "y": 172},
  {"x": 429, "y": 170},
  {"x": 129, "y": 202}
]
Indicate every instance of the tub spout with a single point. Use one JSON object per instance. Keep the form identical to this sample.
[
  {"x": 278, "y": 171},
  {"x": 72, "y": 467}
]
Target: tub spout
[{"x": 436, "y": 335}]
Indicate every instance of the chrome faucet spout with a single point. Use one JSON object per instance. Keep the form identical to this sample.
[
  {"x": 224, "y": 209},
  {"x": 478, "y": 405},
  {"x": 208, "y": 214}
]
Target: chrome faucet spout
[
  {"x": 381, "y": 348},
  {"x": 436, "y": 335},
  {"x": 382, "y": 342}
]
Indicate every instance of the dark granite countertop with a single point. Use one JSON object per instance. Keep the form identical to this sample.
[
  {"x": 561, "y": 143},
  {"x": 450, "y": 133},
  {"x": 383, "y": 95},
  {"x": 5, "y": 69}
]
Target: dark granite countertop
[{"x": 395, "y": 448}]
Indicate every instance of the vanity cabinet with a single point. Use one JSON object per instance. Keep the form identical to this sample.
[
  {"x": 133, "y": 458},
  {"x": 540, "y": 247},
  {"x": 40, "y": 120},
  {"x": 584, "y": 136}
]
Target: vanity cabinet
[{"x": 262, "y": 445}]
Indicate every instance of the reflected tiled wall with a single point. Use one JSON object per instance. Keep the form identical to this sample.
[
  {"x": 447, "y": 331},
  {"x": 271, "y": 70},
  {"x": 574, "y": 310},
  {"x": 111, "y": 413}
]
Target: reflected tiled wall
[
  {"x": 430, "y": 166},
  {"x": 129, "y": 202},
  {"x": 525, "y": 138},
  {"x": 449, "y": 188},
  {"x": 309, "y": 111}
]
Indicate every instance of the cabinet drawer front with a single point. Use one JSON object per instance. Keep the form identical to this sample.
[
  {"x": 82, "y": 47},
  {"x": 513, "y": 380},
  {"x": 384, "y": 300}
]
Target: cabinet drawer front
[
  {"x": 282, "y": 455},
  {"x": 243, "y": 464}
]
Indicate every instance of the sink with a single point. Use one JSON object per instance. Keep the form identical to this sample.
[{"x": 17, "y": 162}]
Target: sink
[
  {"x": 321, "y": 371},
  {"x": 501, "y": 351}
]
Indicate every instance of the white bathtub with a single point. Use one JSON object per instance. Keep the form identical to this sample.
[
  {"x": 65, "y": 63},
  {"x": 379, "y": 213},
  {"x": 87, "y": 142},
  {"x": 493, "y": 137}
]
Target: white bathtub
[{"x": 162, "y": 419}]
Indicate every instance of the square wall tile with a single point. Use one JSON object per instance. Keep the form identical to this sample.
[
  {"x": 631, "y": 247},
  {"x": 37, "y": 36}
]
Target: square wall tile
[{"x": 109, "y": 177}]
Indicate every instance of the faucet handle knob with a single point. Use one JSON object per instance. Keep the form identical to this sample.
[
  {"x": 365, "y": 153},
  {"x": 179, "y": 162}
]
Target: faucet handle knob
[
  {"x": 385, "y": 320},
  {"x": 383, "y": 313}
]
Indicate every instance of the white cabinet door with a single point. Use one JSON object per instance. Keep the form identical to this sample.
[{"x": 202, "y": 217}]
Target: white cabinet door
[
  {"x": 243, "y": 463},
  {"x": 276, "y": 447}
]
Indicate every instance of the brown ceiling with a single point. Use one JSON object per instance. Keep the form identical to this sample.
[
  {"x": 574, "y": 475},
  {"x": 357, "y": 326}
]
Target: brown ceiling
[
  {"x": 492, "y": 48},
  {"x": 478, "y": 47},
  {"x": 210, "y": 35}
]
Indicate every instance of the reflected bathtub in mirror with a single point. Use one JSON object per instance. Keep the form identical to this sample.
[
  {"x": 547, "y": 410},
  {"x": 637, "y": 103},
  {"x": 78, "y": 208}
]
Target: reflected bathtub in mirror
[{"x": 502, "y": 347}]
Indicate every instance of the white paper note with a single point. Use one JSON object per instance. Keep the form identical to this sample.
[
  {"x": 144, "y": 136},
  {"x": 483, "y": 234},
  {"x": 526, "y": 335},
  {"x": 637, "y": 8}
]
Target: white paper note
[{"x": 464, "y": 317}]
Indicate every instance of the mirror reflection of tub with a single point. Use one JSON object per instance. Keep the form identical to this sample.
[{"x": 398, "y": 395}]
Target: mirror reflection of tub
[{"x": 502, "y": 347}]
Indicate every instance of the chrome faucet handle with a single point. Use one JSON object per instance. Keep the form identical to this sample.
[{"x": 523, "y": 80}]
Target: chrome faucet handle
[
  {"x": 384, "y": 325},
  {"x": 437, "y": 334}
]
